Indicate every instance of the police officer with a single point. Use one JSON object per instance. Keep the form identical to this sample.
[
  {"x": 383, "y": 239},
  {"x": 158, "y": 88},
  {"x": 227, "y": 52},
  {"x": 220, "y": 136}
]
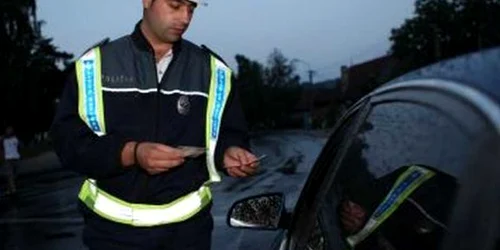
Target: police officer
[{"x": 148, "y": 119}]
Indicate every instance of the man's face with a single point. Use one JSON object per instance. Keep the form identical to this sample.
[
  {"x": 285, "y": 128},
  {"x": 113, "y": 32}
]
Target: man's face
[{"x": 168, "y": 19}]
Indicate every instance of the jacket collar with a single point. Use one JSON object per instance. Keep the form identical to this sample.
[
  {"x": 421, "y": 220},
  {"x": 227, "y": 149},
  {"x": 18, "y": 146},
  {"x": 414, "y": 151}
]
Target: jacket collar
[{"x": 142, "y": 43}]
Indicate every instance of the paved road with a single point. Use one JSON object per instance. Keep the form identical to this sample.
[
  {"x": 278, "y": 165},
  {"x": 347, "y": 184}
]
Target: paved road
[{"x": 43, "y": 216}]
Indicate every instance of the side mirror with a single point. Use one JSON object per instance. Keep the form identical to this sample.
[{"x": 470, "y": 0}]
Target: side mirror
[{"x": 263, "y": 212}]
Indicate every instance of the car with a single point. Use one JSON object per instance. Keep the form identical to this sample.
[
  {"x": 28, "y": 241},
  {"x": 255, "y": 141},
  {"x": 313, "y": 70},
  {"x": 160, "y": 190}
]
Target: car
[{"x": 411, "y": 165}]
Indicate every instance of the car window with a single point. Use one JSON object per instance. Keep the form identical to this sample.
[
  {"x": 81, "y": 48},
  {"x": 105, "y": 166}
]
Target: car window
[
  {"x": 396, "y": 185},
  {"x": 338, "y": 142}
]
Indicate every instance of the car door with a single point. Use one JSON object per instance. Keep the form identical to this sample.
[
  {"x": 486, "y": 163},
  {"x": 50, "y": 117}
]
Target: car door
[
  {"x": 476, "y": 220},
  {"x": 366, "y": 199}
]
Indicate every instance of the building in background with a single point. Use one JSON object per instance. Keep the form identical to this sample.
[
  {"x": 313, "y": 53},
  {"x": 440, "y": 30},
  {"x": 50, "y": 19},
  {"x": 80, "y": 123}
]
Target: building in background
[{"x": 358, "y": 80}]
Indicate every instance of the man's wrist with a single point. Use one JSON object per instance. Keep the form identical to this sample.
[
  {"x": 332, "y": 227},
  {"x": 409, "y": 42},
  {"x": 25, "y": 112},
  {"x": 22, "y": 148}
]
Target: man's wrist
[{"x": 128, "y": 154}]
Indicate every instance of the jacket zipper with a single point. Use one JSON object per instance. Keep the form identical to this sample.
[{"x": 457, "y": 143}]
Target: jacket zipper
[
  {"x": 157, "y": 97},
  {"x": 144, "y": 181},
  {"x": 166, "y": 74}
]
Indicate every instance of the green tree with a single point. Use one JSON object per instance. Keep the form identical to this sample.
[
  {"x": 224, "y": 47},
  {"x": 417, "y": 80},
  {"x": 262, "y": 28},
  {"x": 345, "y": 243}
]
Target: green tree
[
  {"x": 283, "y": 85},
  {"x": 280, "y": 72},
  {"x": 442, "y": 29},
  {"x": 269, "y": 93},
  {"x": 29, "y": 67},
  {"x": 254, "y": 96}
]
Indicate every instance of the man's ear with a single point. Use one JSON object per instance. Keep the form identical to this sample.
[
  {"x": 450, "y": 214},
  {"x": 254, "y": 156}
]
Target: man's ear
[{"x": 146, "y": 3}]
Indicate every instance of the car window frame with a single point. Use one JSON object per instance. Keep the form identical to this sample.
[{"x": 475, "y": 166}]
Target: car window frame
[{"x": 485, "y": 107}]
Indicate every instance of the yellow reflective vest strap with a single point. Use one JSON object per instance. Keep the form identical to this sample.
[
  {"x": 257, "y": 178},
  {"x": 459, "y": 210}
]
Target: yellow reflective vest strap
[
  {"x": 220, "y": 87},
  {"x": 405, "y": 185},
  {"x": 143, "y": 215},
  {"x": 91, "y": 111},
  {"x": 90, "y": 100}
]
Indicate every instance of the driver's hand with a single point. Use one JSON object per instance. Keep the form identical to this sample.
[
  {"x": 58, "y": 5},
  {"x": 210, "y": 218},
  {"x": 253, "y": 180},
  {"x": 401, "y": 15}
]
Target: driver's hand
[{"x": 352, "y": 216}]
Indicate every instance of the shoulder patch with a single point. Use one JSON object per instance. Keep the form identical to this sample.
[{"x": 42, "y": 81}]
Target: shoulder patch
[
  {"x": 98, "y": 44},
  {"x": 211, "y": 52}
]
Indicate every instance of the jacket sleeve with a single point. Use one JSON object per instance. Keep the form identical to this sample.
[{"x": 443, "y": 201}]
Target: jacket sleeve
[
  {"x": 234, "y": 131},
  {"x": 77, "y": 146}
]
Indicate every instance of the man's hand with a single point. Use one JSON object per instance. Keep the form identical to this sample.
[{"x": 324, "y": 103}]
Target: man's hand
[
  {"x": 157, "y": 158},
  {"x": 353, "y": 216},
  {"x": 239, "y": 162}
]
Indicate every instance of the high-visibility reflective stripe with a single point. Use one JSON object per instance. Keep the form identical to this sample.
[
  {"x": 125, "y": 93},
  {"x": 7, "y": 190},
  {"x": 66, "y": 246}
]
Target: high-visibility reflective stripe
[
  {"x": 220, "y": 86},
  {"x": 90, "y": 101},
  {"x": 143, "y": 215},
  {"x": 406, "y": 183}
]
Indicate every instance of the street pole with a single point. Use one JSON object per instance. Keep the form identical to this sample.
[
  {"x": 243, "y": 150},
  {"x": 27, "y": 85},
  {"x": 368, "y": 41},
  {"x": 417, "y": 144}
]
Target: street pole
[{"x": 311, "y": 75}]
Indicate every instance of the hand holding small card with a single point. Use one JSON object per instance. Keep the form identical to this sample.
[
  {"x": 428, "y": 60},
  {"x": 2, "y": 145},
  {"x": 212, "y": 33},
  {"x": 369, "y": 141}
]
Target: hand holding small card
[{"x": 192, "y": 152}]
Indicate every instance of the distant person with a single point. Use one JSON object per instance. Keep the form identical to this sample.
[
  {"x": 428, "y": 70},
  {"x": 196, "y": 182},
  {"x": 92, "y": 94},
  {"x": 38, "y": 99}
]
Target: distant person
[
  {"x": 149, "y": 118},
  {"x": 11, "y": 156}
]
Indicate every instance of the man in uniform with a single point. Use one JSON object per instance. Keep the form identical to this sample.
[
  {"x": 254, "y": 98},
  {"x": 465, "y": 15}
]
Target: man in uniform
[{"x": 149, "y": 118}]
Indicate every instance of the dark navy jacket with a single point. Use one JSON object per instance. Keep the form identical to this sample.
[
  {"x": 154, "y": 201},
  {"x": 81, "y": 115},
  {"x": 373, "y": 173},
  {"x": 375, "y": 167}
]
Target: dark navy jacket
[{"x": 137, "y": 108}]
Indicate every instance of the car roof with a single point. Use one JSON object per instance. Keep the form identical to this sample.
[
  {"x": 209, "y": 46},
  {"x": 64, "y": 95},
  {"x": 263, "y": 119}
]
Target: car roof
[{"x": 480, "y": 70}]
